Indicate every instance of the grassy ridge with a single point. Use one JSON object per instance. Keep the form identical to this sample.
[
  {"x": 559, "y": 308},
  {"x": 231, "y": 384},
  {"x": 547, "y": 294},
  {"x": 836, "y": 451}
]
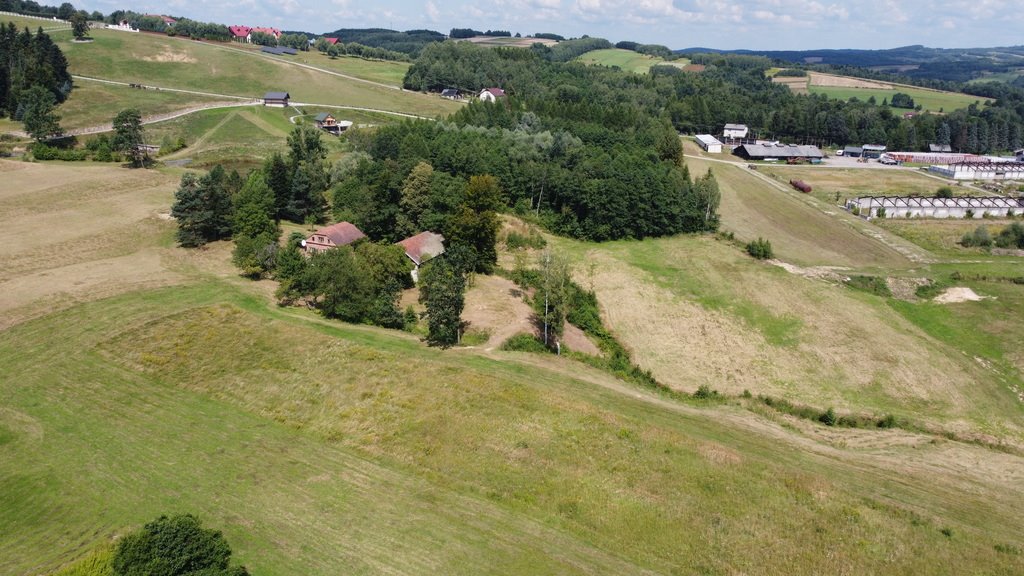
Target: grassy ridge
[
  {"x": 627, "y": 60},
  {"x": 184, "y": 64},
  {"x": 930, "y": 100},
  {"x": 315, "y": 447}
]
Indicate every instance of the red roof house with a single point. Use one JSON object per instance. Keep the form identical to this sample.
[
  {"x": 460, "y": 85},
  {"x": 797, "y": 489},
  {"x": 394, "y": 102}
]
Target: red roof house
[
  {"x": 421, "y": 248},
  {"x": 166, "y": 19},
  {"x": 331, "y": 41},
  {"x": 272, "y": 31},
  {"x": 340, "y": 234},
  {"x": 239, "y": 32},
  {"x": 491, "y": 94}
]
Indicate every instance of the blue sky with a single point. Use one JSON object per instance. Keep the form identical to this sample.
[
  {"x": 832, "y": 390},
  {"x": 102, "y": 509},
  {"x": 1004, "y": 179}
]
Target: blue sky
[{"x": 761, "y": 24}]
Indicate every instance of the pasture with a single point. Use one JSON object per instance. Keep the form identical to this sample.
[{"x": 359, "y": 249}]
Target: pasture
[
  {"x": 208, "y": 67},
  {"x": 33, "y": 24},
  {"x": 627, "y": 60},
  {"x": 854, "y": 182},
  {"x": 81, "y": 109},
  {"x": 844, "y": 88}
]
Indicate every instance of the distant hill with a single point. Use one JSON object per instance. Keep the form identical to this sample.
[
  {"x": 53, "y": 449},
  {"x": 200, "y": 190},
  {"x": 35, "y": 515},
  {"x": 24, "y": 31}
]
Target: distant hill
[
  {"x": 409, "y": 42},
  {"x": 951, "y": 64}
]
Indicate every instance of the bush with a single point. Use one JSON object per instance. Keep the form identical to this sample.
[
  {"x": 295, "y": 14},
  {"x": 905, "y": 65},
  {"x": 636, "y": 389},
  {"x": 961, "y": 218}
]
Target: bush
[
  {"x": 172, "y": 547},
  {"x": 880, "y": 213},
  {"x": 944, "y": 192},
  {"x": 533, "y": 239},
  {"x": 524, "y": 343},
  {"x": 704, "y": 392},
  {"x": 969, "y": 214},
  {"x": 873, "y": 284},
  {"x": 828, "y": 418},
  {"x": 760, "y": 249},
  {"x": 1011, "y": 237}
]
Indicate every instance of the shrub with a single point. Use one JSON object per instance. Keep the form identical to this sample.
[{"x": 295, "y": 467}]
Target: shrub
[
  {"x": 172, "y": 547},
  {"x": 760, "y": 249},
  {"x": 873, "y": 284},
  {"x": 533, "y": 239},
  {"x": 944, "y": 192},
  {"x": 887, "y": 421},
  {"x": 704, "y": 392},
  {"x": 880, "y": 213},
  {"x": 828, "y": 417},
  {"x": 1011, "y": 237},
  {"x": 947, "y": 532},
  {"x": 524, "y": 343},
  {"x": 969, "y": 214}
]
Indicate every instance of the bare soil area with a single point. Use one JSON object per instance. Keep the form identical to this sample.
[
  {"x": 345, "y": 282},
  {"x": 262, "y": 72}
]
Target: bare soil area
[
  {"x": 958, "y": 294},
  {"x": 819, "y": 79}
]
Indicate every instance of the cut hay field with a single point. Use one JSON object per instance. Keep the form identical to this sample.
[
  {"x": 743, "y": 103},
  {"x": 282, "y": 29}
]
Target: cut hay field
[
  {"x": 505, "y": 41},
  {"x": 143, "y": 379},
  {"x": 185, "y": 64},
  {"x": 800, "y": 229},
  {"x": 627, "y": 60},
  {"x": 81, "y": 109},
  {"x": 854, "y": 182},
  {"x": 942, "y": 236},
  {"x": 844, "y": 88}
]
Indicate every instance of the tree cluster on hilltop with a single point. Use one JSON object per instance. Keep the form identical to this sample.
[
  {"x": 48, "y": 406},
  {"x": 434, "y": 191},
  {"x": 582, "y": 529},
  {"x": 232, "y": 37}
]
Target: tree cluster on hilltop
[{"x": 32, "y": 69}]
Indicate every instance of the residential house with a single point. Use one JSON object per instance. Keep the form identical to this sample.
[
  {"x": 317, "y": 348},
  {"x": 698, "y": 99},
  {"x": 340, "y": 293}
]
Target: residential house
[
  {"x": 333, "y": 236},
  {"x": 331, "y": 41},
  {"x": 276, "y": 99},
  {"x": 326, "y": 121},
  {"x": 271, "y": 31},
  {"x": 451, "y": 94},
  {"x": 421, "y": 248},
  {"x": 491, "y": 94},
  {"x": 735, "y": 131},
  {"x": 240, "y": 33}
]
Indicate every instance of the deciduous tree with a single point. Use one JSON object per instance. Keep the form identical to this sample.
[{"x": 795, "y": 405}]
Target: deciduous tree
[{"x": 442, "y": 290}]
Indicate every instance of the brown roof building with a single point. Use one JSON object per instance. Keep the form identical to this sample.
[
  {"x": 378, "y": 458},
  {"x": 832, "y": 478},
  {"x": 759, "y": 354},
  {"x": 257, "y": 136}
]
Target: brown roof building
[
  {"x": 340, "y": 234},
  {"x": 421, "y": 248}
]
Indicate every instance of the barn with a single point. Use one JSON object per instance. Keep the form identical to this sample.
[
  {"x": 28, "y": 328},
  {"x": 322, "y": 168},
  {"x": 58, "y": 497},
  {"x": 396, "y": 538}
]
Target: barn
[
  {"x": 926, "y": 207},
  {"x": 777, "y": 152},
  {"x": 276, "y": 99},
  {"x": 333, "y": 236},
  {"x": 709, "y": 143},
  {"x": 732, "y": 131}
]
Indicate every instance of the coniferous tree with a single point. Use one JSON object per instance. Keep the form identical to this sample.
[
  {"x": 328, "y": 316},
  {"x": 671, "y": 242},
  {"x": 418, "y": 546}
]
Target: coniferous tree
[{"x": 40, "y": 119}]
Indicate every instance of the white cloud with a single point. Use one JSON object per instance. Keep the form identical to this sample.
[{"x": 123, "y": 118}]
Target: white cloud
[{"x": 433, "y": 14}]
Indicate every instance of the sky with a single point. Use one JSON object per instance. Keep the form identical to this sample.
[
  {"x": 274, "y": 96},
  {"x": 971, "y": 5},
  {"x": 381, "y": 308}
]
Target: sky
[{"x": 757, "y": 25}]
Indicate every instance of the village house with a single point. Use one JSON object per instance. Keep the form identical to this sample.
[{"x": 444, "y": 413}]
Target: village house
[
  {"x": 276, "y": 99},
  {"x": 240, "y": 33},
  {"x": 165, "y": 19},
  {"x": 451, "y": 94},
  {"x": 421, "y": 248},
  {"x": 333, "y": 236},
  {"x": 326, "y": 121},
  {"x": 732, "y": 131},
  {"x": 331, "y": 41},
  {"x": 491, "y": 94}
]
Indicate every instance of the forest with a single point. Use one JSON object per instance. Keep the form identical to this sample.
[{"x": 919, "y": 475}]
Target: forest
[{"x": 27, "y": 61}]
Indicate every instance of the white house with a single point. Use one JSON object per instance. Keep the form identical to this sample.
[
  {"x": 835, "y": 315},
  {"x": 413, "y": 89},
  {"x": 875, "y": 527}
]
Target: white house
[
  {"x": 491, "y": 94},
  {"x": 980, "y": 170},
  {"x": 735, "y": 131},
  {"x": 924, "y": 207},
  {"x": 709, "y": 143}
]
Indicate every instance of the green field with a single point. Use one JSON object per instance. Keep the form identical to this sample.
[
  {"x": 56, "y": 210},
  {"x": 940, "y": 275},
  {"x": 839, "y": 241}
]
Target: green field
[
  {"x": 930, "y": 100},
  {"x": 316, "y": 444},
  {"x": 34, "y": 24},
  {"x": 376, "y": 70},
  {"x": 80, "y": 109},
  {"x": 178, "y": 63},
  {"x": 854, "y": 182},
  {"x": 627, "y": 60}
]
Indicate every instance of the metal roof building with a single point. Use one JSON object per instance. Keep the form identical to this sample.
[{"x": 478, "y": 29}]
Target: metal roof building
[
  {"x": 926, "y": 207},
  {"x": 776, "y": 151},
  {"x": 980, "y": 170},
  {"x": 709, "y": 143}
]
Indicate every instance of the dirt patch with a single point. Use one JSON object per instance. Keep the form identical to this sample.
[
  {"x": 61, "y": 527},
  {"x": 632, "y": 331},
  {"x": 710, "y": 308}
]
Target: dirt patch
[
  {"x": 906, "y": 288},
  {"x": 576, "y": 340},
  {"x": 495, "y": 305},
  {"x": 818, "y": 79},
  {"x": 828, "y": 273},
  {"x": 169, "y": 55},
  {"x": 958, "y": 294}
]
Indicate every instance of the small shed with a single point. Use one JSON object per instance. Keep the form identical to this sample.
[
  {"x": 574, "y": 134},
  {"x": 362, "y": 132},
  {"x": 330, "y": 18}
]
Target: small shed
[
  {"x": 451, "y": 94},
  {"x": 709, "y": 143},
  {"x": 333, "y": 236},
  {"x": 421, "y": 248},
  {"x": 276, "y": 99}
]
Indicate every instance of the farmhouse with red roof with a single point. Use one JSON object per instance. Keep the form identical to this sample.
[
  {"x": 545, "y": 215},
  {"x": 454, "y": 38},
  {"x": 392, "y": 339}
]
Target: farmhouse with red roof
[
  {"x": 491, "y": 94},
  {"x": 421, "y": 248},
  {"x": 333, "y": 236}
]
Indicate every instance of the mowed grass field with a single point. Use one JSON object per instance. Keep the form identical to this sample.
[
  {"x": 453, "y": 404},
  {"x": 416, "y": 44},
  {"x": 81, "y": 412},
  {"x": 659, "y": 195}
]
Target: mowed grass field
[
  {"x": 34, "y": 24},
  {"x": 316, "y": 445},
  {"x": 376, "y": 70},
  {"x": 844, "y": 88},
  {"x": 207, "y": 67},
  {"x": 81, "y": 109},
  {"x": 801, "y": 230},
  {"x": 627, "y": 60},
  {"x": 854, "y": 182}
]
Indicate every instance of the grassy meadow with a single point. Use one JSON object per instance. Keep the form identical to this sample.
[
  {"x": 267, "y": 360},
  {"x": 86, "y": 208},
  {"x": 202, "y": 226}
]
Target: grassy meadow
[
  {"x": 208, "y": 67},
  {"x": 80, "y": 109},
  {"x": 627, "y": 60},
  {"x": 854, "y": 182},
  {"x": 930, "y": 100}
]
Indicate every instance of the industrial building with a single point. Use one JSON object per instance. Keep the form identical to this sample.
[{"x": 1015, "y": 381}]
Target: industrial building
[
  {"x": 778, "y": 152},
  {"x": 980, "y": 170},
  {"x": 926, "y": 207},
  {"x": 873, "y": 150}
]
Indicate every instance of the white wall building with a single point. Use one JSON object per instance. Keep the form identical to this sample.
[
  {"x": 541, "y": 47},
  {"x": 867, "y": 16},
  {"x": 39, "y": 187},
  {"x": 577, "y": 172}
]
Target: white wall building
[
  {"x": 922, "y": 207},
  {"x": 709, "y": 143},
  {"x": 735, "y": 131},
  {"x": 980, "y": 170}
]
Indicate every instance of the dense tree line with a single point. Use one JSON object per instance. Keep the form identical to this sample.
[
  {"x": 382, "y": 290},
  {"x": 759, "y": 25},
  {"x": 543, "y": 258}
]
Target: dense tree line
[
  {"x": 33, "y": 72},
  {"x": 359, "y": 50},
  {"x": 410, "y": 42}
]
